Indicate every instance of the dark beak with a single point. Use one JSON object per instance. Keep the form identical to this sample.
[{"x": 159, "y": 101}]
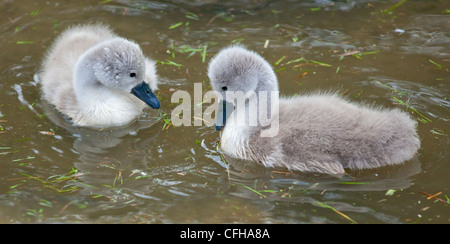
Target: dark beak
[
  {"x": 224, "y": 110},
  {"x": 145, "y": 93}
]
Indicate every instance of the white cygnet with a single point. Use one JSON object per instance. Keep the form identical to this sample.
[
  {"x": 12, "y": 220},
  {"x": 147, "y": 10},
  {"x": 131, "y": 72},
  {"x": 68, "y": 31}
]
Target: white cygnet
[
  {"x": 320, "y": 132},
  {"x": 97, "y": 78}
]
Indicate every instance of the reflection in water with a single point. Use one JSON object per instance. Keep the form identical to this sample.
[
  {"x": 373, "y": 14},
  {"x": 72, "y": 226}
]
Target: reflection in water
[
  {"x": 98, "y": 140},
  {"x": 103, "y": 155},
  {"x": 276, "y": 186},
  {"x": 382, "y": 179}
]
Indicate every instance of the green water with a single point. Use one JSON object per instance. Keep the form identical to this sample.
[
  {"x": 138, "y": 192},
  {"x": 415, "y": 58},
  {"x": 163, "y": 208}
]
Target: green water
[{"x": 374, "y": 52}]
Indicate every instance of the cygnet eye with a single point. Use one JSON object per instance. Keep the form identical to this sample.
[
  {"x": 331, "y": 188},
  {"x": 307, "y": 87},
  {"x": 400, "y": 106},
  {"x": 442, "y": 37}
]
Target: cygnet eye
[
  {"x": 132, "y": 74},
  {"x": 224, "y": 88}
]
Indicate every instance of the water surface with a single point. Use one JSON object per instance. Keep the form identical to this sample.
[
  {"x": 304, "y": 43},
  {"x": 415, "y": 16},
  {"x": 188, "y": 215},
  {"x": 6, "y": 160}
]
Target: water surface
[{"x": 373, "y": 52}]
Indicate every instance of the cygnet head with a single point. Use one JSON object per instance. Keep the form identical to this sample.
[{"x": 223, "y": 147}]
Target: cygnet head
[
  {"x": 120, "y": 64},
  {"x": 237, "y": 69}
]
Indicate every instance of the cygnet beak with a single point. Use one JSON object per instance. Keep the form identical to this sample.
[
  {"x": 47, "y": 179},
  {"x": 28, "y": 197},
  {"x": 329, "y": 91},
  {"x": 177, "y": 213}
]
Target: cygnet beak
[
  {"x": 224, "y": 110},
  {"x": 145, "y": 93}
]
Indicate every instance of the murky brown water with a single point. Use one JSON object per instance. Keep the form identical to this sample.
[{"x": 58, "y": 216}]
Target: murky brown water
[{"x": 151, "y": 172}]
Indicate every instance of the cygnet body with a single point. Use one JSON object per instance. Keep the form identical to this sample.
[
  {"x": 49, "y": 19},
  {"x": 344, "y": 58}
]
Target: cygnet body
[
  {"x": 97, "y": 78},
  {"x": 320, "y": 132}
]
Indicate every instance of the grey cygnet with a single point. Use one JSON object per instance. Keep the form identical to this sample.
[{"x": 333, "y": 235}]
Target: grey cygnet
[{"x": 319, "y": 132}]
